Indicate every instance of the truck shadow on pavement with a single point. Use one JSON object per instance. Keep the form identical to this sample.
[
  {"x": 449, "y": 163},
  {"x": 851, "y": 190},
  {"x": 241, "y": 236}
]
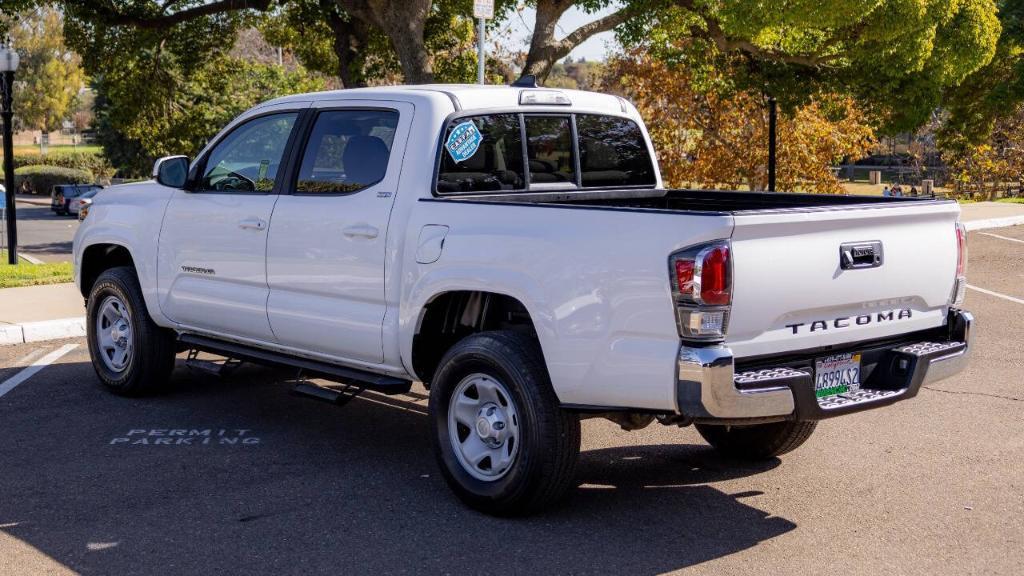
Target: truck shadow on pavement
[{"x": 326, "y": 490}]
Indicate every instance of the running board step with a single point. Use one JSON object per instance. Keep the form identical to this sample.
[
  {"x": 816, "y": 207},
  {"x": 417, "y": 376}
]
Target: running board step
[
  {"x": 329, "y": 395},
  {"x": 309, "y": 368}
]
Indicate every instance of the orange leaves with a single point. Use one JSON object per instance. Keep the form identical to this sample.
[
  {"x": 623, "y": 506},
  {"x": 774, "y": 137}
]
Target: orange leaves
[{"x": 708, "y": 139}]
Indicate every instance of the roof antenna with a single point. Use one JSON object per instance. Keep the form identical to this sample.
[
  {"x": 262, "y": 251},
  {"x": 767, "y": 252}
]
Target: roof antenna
[{"x": 526, "y": 81}]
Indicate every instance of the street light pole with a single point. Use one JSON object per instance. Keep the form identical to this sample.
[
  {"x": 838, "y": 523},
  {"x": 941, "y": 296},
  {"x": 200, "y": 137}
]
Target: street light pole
[
  {"x": 8, "y": 64},
  {"x": 772, "y": 115}
]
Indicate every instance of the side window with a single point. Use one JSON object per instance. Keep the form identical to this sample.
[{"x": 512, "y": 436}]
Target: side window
[
  {"x": 612, "y": 152},
  {"x": 549, "y": 150},
  {"x": 348, "y": 150},
  {"x": 481, "y": 154},
  {"x": 247, "y": 160}
]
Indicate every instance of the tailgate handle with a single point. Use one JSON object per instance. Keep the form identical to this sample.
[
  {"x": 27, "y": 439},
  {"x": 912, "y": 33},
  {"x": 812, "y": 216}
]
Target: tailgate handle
[{"x": 854, "y": 255}]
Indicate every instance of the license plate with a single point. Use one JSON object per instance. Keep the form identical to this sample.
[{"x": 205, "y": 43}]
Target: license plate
[{"x": 836, "y": 374}]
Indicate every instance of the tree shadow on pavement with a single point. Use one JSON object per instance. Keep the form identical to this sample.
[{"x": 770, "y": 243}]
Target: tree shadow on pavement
[{"x": 327, "y": 490}]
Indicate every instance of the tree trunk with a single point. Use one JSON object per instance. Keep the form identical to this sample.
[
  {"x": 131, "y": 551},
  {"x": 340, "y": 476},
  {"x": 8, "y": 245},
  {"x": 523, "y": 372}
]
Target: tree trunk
[
  {"x": 545, "y": 50},
  {"x": 403, "y": 22},
  {"x": 543, "y": 46},
  {"x": 350, "y": 37}
]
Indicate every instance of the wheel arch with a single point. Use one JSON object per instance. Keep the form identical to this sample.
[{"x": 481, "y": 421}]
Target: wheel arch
[
  {"x": 96, "y": 258},
  {"x": 449, "y": 316}
]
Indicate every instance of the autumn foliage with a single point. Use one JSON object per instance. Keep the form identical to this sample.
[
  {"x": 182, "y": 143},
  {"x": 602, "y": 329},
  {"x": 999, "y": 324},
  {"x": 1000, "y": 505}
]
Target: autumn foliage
[{"x": 712, "y": 138}]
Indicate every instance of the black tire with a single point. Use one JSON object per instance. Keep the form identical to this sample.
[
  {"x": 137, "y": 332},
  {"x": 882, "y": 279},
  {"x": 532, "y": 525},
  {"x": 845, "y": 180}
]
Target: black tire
[
  {"x": 151, "y": 359},
  {"x": 758, "y": 441},
  {"x": 549, "y": 437}
]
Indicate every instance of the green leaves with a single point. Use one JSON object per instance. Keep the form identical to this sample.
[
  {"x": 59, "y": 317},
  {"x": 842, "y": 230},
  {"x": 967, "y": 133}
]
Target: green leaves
[
  {"x": 895, "y": 56},
  {"x": 50, "y": 76}
]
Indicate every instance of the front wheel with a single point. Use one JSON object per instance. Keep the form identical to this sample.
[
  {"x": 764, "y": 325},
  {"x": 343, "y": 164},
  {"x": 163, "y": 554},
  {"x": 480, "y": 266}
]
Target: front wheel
[
  {"x": 503, "y": 443},
  {"x": 130, "y": 353},
  {"x": 757, "y": 441}
]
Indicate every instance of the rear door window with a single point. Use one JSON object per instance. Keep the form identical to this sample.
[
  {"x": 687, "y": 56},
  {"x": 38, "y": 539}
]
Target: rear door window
[
  {"x": 550, "y": 151},
  {"x": 612, "y": 152},
  {"x": 348, "y": 150},
  {"x": 482, "y": 154}
]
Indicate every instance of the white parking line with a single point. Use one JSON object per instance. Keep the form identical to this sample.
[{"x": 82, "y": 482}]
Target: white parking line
[
  {"x": 36, "y": 366},
  {"x": 990, "y": 293},
  {"x": 1002, "y": 237}
]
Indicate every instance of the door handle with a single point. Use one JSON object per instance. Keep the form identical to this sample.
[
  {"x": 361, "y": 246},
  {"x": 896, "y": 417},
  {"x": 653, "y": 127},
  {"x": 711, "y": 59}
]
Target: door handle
[
  {"x": 253, "y": 224},
  {"x": 361, "y": 231}
]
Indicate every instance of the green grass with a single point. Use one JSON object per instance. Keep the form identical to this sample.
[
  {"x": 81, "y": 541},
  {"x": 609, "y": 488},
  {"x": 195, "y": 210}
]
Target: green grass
[
  {"x": 25, "y": 274},
  {"x": 62, "y": 149},
  {"x": 1011, "y": 200}
]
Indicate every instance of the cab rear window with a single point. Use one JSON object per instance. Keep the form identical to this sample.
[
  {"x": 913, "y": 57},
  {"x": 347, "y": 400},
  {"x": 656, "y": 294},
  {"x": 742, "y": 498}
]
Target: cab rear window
[
  {"x": 483, "y": 154},
  {"x": 507, "y": 152}
]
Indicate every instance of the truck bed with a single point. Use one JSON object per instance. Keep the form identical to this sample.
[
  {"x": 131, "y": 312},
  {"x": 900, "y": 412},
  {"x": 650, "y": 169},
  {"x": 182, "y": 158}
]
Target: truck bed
[{"x": 695, "y": 200}]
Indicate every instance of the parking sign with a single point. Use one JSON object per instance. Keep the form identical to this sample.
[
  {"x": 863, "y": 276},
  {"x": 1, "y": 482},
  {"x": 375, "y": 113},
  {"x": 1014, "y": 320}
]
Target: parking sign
[{"x": 483, "y": 9}]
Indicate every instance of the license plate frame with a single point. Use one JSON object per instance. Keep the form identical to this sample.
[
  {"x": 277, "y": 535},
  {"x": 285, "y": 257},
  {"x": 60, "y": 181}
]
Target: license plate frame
[{"x": 836, "y": 374}]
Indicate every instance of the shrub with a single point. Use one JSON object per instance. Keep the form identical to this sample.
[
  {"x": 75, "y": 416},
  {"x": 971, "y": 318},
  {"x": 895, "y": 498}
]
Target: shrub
[
  {"x": 90, "y": 161},
  {"x": 39, "y": 179}
]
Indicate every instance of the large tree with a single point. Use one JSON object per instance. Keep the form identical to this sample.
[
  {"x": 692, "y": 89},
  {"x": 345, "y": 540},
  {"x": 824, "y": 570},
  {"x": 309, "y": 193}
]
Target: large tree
[
  {"x": 50, "y": 75},
  {"x": 895, "y": 56}
]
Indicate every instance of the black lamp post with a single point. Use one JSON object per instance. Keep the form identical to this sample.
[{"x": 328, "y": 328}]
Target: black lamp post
[
  {"x": 772, "y": 115},
  {"x": 8, "y": 64}
]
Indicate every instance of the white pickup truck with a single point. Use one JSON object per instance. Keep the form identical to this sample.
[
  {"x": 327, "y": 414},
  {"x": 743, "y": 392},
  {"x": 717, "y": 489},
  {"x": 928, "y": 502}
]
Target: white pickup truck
[{"x": 513, "y": 248}]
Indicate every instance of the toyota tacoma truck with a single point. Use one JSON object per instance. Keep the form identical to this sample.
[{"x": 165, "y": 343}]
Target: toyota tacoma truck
[{"x": 513, "y": 249}]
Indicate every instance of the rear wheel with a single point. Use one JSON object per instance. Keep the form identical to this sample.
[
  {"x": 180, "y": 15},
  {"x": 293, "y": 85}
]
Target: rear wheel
[
  {"x": 758, "y": 441},
  {"x": 504, "y": 445},
  {"x": 130, "y": 353}
]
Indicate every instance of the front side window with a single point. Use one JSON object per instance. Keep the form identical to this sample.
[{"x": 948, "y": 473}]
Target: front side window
[
  {"x": 549, "y": 150},
  {"x": 482, "y": 154},
  {"x": 612, "y": 152},
  {"x": 247, "y": 160},
  {"x": 348, "y": 150}
]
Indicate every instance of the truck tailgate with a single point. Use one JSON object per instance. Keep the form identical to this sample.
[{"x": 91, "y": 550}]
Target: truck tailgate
[{"x": 792, "y": 292}]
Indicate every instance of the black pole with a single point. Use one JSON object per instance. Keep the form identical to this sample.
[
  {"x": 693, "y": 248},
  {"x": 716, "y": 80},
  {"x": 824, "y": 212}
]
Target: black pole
[
  {"x": 772, "y": 112},
  {"x": 7, "y": 96}
]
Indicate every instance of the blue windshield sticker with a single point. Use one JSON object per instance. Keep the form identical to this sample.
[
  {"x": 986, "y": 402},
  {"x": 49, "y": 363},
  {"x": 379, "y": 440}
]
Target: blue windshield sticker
[{"x": 464, "y": 141}]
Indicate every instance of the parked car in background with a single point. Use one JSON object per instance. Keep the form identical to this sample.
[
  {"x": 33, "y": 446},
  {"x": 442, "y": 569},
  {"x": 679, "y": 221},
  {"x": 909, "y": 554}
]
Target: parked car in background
[
  {"x": 76, "y": 205},
  {"x": 61, "y": 196}
]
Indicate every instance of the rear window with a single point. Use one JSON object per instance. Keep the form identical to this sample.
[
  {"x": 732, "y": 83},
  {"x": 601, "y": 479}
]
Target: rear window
[
  {"x": 489, "y": 153},
  {"x": 482, "y": 154},
  {"x": 612, "y": 152},
  {"x": 71, "y": 191},
  {"x": 550, "y": 150}
]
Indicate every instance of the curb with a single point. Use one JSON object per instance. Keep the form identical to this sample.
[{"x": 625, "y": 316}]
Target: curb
[
  {"x": 993, "y": 223},
  {"x": 41, "y": 331}
]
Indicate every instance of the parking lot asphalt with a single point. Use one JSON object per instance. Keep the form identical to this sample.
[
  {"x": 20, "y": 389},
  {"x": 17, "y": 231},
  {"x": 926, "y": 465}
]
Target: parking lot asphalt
[
  {"x": 43, "y": 234},
  {"x": 236, "y": 476}
]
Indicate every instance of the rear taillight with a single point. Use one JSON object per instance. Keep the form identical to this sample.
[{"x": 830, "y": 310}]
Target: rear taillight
[
  {"x": 960, "y": 283},
  {"x": 702, "y": 289}
]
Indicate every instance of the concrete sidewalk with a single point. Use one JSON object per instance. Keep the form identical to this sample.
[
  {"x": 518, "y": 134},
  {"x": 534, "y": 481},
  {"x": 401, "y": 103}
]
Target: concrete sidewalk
[
  {"x": 981, "y": 215},
  {"x": 35, "y": 199},
  {"x": 38, "y": 313}
]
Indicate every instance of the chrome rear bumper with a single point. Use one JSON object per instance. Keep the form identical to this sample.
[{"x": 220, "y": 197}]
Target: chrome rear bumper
[{"x": 709, "y": 388}]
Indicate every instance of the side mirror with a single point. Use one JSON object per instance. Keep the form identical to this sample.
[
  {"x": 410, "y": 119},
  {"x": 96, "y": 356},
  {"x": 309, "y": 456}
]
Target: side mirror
[{"x": 171, "y": 171}]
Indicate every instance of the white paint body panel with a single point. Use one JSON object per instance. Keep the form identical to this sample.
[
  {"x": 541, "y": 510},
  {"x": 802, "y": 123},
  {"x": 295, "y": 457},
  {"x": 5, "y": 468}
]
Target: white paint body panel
[
  {"x": 326, "y": 256},
  {"x": 786, "y": 271},
  {"x": 201, "y": 232},
  {"x": 594, "y": 280}
]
